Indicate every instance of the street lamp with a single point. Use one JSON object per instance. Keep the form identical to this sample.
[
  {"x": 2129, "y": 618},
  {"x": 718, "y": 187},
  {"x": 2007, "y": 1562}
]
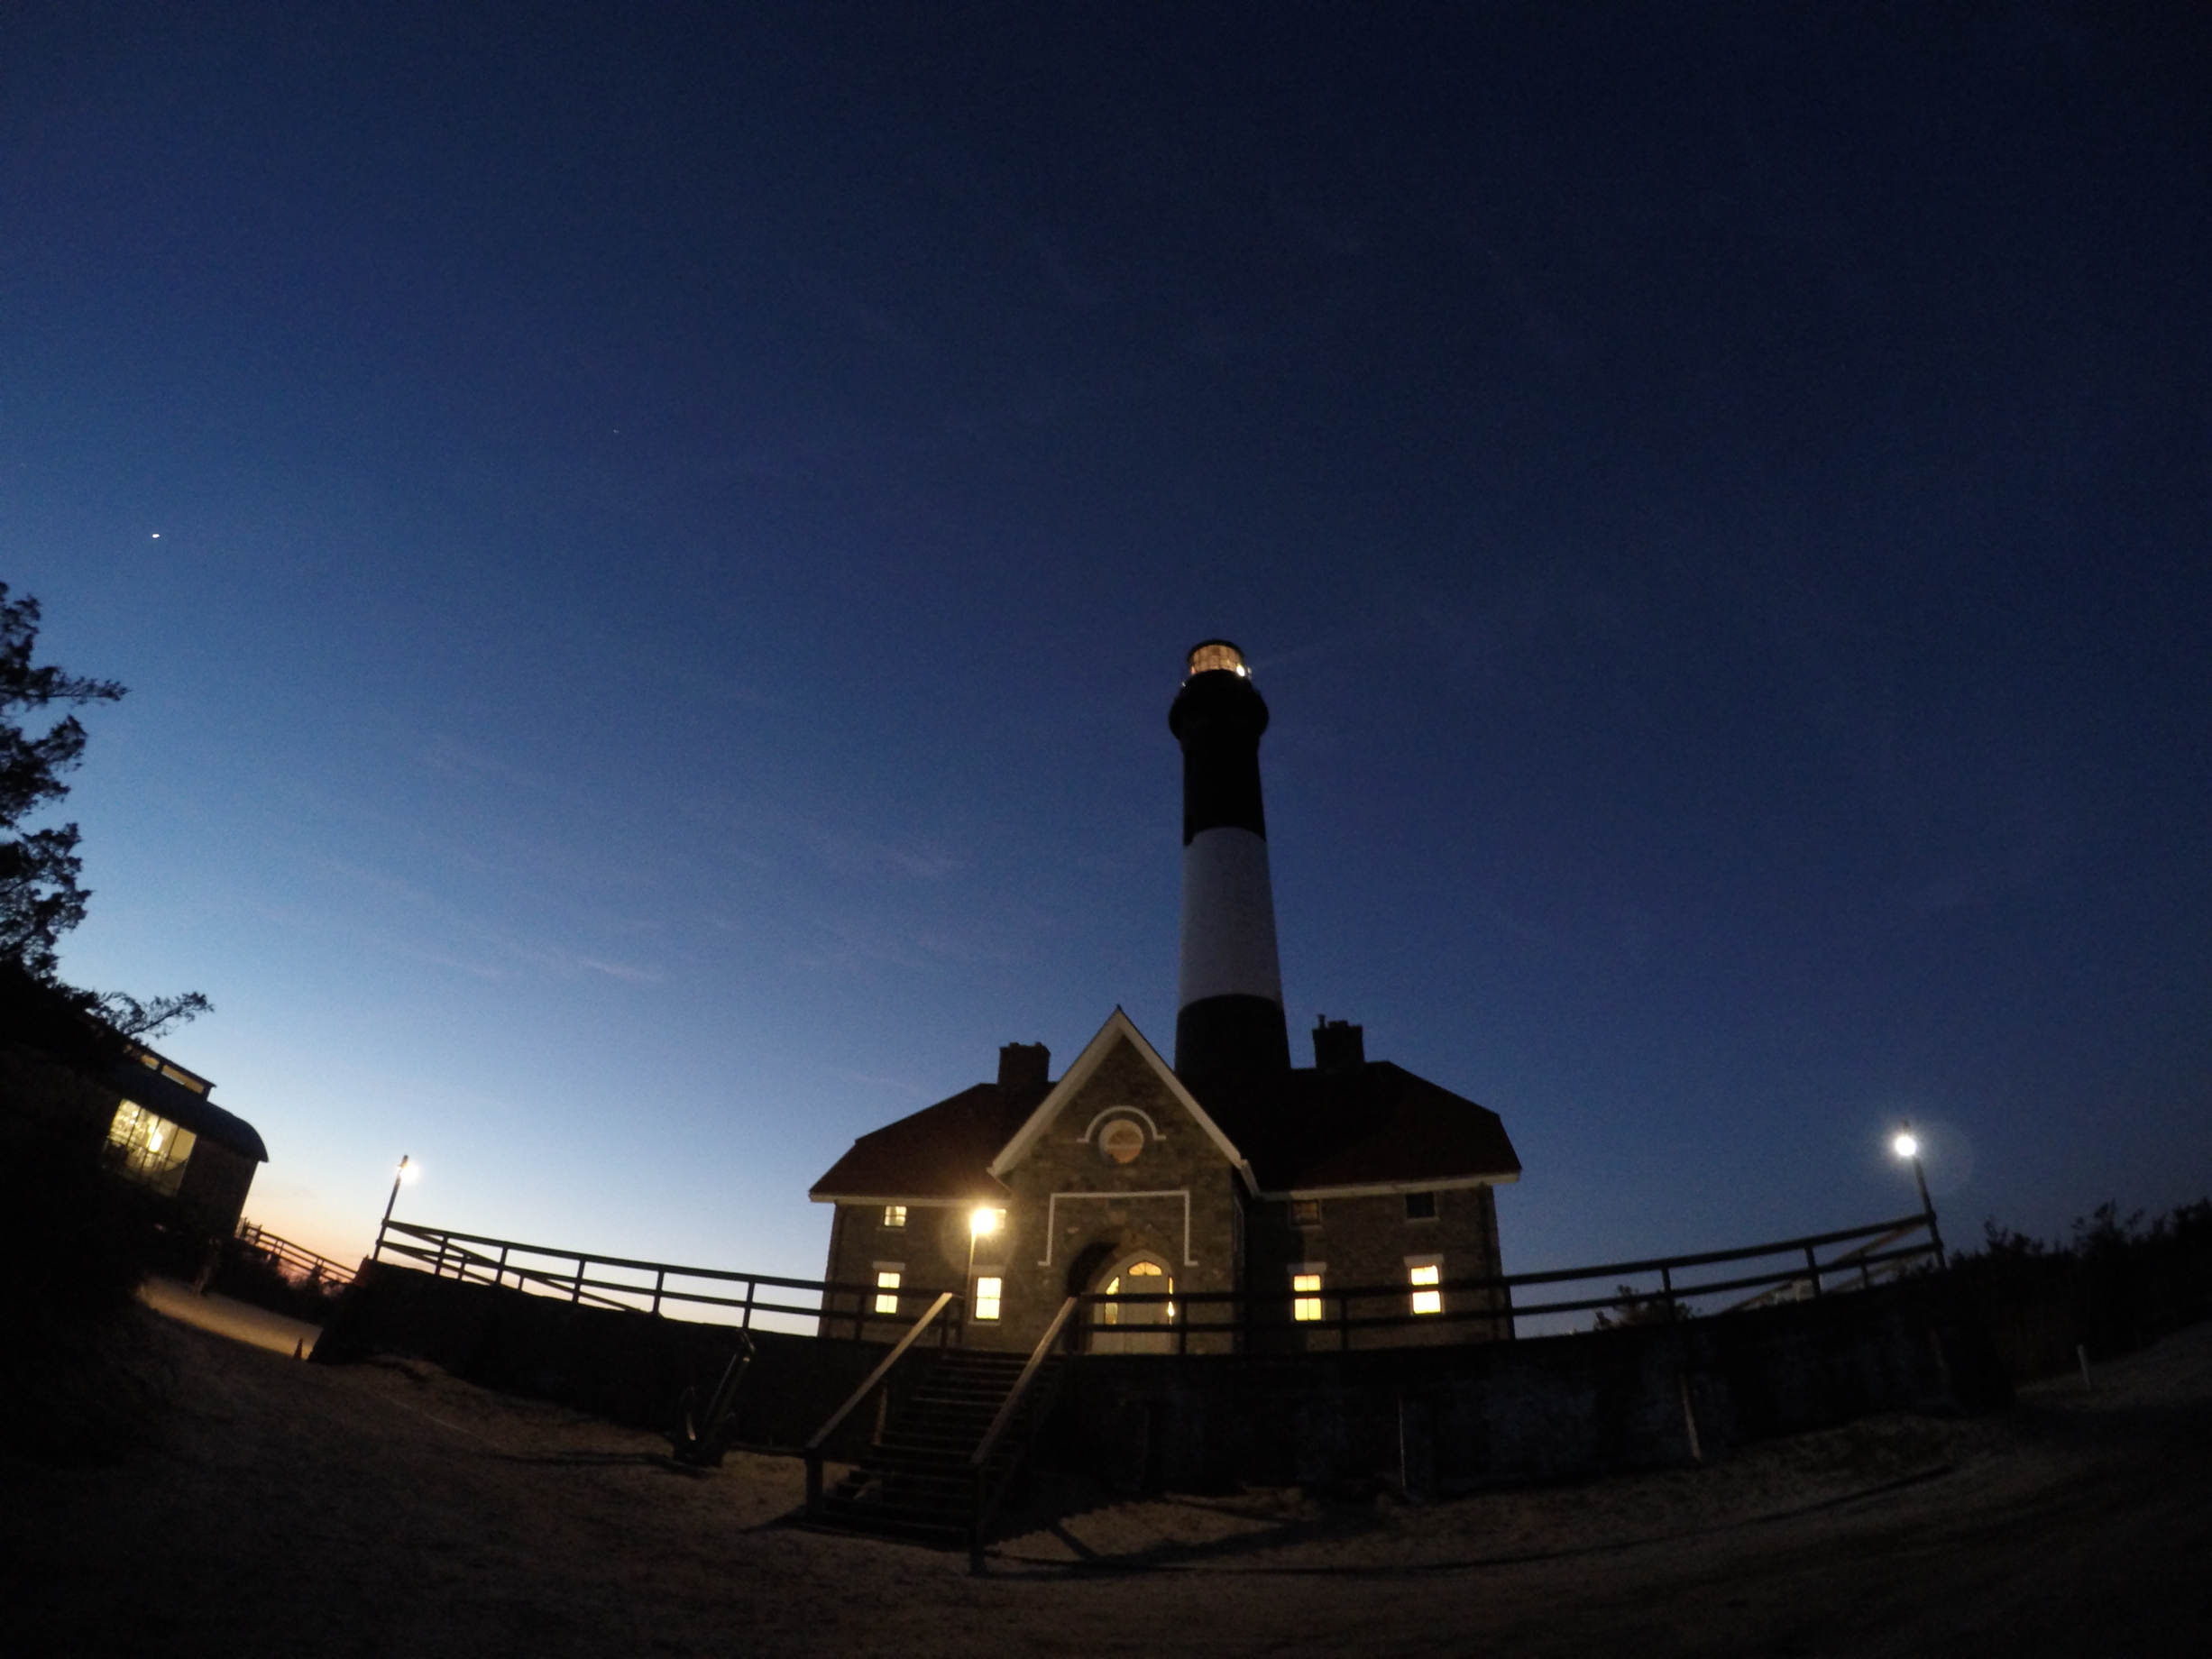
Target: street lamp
[
  {"x": 1906, "y": 1145},
  {"x": 405, "y": 1172}
]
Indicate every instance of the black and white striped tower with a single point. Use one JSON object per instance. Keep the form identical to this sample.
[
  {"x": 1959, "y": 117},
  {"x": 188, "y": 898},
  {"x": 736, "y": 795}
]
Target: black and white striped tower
[{"x": 1229, "y": 1006}]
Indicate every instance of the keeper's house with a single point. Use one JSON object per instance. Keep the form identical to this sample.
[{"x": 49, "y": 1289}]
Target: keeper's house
[{"x": 1230, "y": 1170}]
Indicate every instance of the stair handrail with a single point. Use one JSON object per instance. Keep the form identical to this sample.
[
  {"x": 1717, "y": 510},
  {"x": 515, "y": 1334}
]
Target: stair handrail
[
  {"x": 875, "y": 1377},
  {"x": 980, "y": 1462}
]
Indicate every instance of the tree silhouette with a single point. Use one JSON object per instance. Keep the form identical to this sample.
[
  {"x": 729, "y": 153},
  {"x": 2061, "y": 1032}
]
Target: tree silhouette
[{"x": 41, "y": 898}]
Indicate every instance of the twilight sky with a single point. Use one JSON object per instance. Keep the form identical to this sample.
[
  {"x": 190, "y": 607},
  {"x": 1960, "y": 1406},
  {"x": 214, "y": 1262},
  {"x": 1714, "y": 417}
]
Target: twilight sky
[{"x": 652, "y": 545}]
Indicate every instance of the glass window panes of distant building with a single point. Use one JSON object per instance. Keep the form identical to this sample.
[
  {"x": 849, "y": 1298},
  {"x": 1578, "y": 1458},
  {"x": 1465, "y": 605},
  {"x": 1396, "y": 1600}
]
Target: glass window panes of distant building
[{"x": 154, "y": 1150}]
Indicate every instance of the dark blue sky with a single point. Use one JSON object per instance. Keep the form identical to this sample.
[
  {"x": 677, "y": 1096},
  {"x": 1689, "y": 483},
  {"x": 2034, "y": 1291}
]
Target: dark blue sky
[{"x": 652, "y": 546}]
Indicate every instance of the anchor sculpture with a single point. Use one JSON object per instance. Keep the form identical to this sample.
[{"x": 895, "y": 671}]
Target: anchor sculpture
[{"x": 701, "y": 1440}]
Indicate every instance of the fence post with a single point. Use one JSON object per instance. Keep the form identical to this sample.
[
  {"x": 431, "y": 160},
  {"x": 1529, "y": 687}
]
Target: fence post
[
  {"x": 499, "y": 1274},
  {"x": 660, "y": 1278},
  {"x": 750, "y": 1286},
  {"x": 1666, "y": 1289},
  {"x": 1812, "y": 1267},
  {"x": 575, "y": 1292}
]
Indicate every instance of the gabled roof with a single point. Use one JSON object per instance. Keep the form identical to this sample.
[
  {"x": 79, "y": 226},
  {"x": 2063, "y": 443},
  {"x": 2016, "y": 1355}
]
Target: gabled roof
[
  {"x": 1119, "y": 1028},
  {"x": 941, "y": 1153},
  {"x": 1373, "y": 1128}
]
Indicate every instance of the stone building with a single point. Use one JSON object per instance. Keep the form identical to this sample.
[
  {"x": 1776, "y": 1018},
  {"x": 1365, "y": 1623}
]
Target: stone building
[{"x": 1246, "y": 1198}]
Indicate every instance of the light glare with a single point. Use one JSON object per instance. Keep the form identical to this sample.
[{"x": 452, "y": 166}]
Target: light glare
[
  {"x": 1905, "y": 1146},
  {"x": 982, "y": 1222}
]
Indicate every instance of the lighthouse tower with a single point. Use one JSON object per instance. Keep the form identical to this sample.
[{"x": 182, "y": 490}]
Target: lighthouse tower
[{"x": 1229, "y": 1005}]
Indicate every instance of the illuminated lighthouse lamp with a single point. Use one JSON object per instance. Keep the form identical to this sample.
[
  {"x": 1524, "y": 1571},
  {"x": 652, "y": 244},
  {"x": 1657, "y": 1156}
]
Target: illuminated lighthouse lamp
[{"x": 1219, "y": 654}]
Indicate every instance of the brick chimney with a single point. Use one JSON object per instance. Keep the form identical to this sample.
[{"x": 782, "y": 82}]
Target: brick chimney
[
  {"x": 1339, "y": 1045},
  {"x": 1022, "y": 1065}
]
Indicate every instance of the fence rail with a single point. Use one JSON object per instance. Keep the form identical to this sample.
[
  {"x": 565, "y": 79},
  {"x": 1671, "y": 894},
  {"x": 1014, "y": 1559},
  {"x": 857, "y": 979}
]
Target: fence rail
[
  {"x": 1218, "y": 1321},
  {"x": 650, "y": 1286},
  {"x": 293, "y": 1260}
]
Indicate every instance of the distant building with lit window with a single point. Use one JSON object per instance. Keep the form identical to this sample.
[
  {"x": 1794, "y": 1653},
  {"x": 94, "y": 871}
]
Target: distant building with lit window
[
  {"x": 1230, "y": 1170},
  {"x": 65, "y": 1078},
  {"x": 169, "y": 1137}
]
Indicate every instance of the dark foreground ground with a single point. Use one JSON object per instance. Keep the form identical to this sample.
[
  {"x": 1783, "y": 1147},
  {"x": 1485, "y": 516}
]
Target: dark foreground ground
[{"x": 284, "y": 1508}]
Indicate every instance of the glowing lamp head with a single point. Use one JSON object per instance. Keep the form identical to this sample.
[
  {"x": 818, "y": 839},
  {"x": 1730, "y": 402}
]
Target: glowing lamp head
[
  {"x": 407, "y": 1170},
  {"x": 984, "y": 1221},
  {"x": 1906, "y": 1145},
  {"x": 1216, "y": 653}
]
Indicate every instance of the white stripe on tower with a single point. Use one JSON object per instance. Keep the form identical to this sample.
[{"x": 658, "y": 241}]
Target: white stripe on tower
[
  {"x": 1228, "y": 919},
  {"x": 1229, "y": 1006}
]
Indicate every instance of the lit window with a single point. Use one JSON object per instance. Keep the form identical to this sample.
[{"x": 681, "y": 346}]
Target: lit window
[
  {"x": 1305, "y": 1297},
  {"x": 895, "y": 1215},
  {"x": 987, "y": 1298},
  {"x": 154, "y": 1150},
  {"x": 1422, "y": 1206},
  {"x": 1143, "y": 1279},
  {"x": 1122, "y": 1140},
  {"x": 1429, "y": 1274},
  {"x": 887, "y": 1288},
  {"x": 1305, "y": 1211}
]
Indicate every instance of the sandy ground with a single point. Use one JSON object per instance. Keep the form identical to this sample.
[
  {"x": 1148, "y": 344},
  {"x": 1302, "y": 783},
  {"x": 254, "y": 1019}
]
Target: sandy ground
[
  {"x": 383, "y": 1508},
  {"x": 240, "y": 1321}
]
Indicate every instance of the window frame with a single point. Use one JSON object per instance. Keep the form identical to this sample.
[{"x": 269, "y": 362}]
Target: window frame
[
  {"x": 1309, "y": 1302},
  {"x": 890, "y": 1277},
  {"x": 979, "y": 1300},
  {"x": 154, "y": 1150},
  {"x": 1425, "y": 1294}
]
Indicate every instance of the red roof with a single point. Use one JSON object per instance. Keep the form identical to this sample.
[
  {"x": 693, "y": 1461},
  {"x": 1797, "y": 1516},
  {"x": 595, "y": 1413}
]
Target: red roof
[
  {"x": 941, "y": 1152},
  {"x": 1372, "y": 1125}
]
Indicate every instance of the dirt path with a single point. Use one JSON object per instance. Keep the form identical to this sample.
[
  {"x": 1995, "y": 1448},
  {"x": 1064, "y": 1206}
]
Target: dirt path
[
  {"x": 240, "y": 1321},
  {"x": 384, "y": 1509}
]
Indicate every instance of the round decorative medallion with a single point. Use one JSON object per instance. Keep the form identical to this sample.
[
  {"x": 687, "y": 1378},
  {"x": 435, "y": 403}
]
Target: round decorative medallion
[{"x": 1122, "y": 1140}]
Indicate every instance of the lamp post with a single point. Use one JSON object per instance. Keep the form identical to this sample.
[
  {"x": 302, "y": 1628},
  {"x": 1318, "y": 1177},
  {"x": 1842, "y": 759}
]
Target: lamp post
[
  {"x": 1907, "y": 1146},
  {"x": 405, "y": 1172}
]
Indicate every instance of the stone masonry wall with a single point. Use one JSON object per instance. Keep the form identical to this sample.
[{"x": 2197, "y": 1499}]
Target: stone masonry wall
[
  {"x": 1096, "y": 1222},
  {"x": 1364, "y": 1241},
  {"x": 931, "y": 1250}
]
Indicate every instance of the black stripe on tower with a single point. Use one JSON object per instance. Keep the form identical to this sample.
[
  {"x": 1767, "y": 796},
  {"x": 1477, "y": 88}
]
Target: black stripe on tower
[{"x": 1229, "y": 1006}]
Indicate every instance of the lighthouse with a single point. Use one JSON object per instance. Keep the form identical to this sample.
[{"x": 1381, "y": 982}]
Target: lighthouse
[
  {"x": 1229, "y": 1000},
  {"x": 1229, "y": 1171}
]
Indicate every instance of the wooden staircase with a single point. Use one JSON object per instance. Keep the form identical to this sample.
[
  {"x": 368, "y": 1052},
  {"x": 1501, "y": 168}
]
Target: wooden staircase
[
  {"x": 918, "y": 1479},
  {"x": 945, "y": 1454}
]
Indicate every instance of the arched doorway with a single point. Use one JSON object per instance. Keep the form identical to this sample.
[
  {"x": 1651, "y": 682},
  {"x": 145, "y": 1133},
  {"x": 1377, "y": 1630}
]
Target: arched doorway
[{"x": 1132, "y": 1327}]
